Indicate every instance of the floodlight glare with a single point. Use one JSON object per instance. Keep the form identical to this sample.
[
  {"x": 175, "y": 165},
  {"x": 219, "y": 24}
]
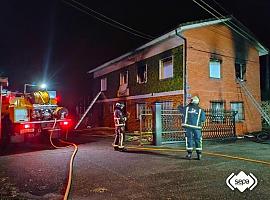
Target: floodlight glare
[{"x": 43, "y": 86}]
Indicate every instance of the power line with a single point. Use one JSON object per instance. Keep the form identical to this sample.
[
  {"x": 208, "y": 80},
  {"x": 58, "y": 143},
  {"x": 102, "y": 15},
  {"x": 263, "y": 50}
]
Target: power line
[
  {"x": 219, "y": 54},
  {"x": 226, "y": 11},
  {"x": 110, "y": 19},
  {"x": 237, "y": 31},
  {"x": 115, "y": 24},
  {"x": 241, "y": 29}
]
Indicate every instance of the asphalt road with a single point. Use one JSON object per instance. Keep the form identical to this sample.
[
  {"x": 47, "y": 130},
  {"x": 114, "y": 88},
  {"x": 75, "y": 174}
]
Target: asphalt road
[{"x": 37, "y": 171}]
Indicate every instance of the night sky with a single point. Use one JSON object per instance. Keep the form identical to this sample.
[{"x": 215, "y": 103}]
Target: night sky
[{"x": 50, "y": 40}]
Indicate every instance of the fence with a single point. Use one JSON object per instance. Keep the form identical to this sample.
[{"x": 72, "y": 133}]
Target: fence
[
  {"x": 266, "y": 108},
  {"x": 219, "y": 124}
]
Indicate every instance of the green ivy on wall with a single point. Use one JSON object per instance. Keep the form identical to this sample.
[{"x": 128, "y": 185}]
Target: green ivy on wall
[{"x": 153, "y": 84}]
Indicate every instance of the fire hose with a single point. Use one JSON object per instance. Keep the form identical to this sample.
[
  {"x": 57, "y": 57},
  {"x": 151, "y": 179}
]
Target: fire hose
[{"x": 71, "y": 159}]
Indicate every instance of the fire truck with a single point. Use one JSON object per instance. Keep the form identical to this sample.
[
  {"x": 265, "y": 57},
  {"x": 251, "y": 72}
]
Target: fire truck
[{"x": 35, "y": 114}]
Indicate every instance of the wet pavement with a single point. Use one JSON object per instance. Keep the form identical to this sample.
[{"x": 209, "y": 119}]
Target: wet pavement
[{"x": 38, "y": 171}]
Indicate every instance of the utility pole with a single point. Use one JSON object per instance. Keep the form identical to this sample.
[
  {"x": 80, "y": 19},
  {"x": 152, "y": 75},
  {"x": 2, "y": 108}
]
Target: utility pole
[{"x": 3, "y": 82}]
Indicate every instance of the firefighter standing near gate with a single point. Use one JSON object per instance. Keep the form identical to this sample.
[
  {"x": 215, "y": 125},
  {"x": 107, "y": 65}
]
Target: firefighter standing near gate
[
  {"x": 119, "y": 122},
  {"x": 193, "y": 118}
]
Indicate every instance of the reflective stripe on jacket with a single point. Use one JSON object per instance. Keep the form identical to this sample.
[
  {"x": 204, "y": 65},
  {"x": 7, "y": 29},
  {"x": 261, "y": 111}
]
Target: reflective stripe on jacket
[
  {"x": 193, "y": 117},
  {"x": 119, "y": 118}
]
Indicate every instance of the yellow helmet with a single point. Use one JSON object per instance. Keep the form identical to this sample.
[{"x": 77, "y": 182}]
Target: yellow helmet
[{"x": 195, "y": 100}]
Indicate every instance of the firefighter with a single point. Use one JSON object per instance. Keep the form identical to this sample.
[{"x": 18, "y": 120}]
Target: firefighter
[
  {"x": 193, "y": 118},
  {"x": 119, "y": 122}
]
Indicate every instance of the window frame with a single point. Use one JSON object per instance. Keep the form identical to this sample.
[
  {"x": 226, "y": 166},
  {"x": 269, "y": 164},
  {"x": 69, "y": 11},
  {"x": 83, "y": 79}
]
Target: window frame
[
  {"x": 145, "y": 74},
  {"x": 216, "y": 61},
  {"x": 166, "y": 105},
  {"x": 218, "y": 115},
  {"x": 121, "y": 79},
  {"x": 161, "y": 67},
  {"x": 138, "y": 109},
  {"x": 103, "y": 87},
  {"x": 241, "y": 71},
  {"x": 243, "y": 110}
]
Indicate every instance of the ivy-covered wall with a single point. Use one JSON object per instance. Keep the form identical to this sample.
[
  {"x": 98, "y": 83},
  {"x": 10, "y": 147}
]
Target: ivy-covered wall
[{"x": 153, "y": 84}]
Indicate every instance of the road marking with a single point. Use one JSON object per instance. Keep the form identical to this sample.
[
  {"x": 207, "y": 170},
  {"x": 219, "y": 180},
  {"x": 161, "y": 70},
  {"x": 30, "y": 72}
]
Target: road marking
[{"x": 207, "y": 153}]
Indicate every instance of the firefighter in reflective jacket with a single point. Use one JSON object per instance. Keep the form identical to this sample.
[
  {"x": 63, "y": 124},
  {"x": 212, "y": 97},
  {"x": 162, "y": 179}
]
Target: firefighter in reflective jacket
[
  {"x": 119, "y": 122},
  {"x": 193, "y": 118}
]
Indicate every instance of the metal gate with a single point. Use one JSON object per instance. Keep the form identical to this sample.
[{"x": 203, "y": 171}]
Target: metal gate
[
  {"x": 146, "y": 126},
  {"x": 219, "y": 124},
  {"x": 172, "y": 130}
]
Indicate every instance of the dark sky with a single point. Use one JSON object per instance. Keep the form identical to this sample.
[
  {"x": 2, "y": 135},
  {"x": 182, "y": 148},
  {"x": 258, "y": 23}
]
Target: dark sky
[{"x": 52, "y": 41}]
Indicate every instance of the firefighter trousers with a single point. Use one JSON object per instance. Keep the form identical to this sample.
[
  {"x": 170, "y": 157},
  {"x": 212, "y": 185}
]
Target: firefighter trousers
[
  {"x": 119, "y": 137},
  {"x": 193, "y": 136}
]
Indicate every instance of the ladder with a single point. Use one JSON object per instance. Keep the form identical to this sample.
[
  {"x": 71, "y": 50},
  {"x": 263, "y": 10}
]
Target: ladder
[
  {"x": 87, "y": 110},
  {"x": 253, "y": 101}
]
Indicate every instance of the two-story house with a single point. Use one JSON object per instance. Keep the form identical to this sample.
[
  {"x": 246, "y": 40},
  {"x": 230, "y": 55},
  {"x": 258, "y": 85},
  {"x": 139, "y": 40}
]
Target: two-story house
[{"x": 203, "y": 58}]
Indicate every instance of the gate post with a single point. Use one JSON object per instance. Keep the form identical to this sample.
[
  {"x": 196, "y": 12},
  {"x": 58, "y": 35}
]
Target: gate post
[{"x": 157, "y": 124}]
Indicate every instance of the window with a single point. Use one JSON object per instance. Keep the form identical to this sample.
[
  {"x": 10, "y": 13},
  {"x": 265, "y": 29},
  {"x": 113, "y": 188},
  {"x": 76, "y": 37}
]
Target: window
[
  {"x": 240, "y": 71},
  {"x": 140, "y": 109},
  {"x": 214, "y": 69},
  {"x": 103, "y": 84},
  {"x": 217, "y": 105},
  {"x": 124, "y": 78},
  {"x": 217, "y": 111},
  {"x": 167, "y": 105},
  {"x": 166, "y": 68},
  {"x": 239, "y": 108},
  {"x": 142, "y": 74}
]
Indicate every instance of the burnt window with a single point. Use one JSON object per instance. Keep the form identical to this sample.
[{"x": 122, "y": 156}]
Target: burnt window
[
  {"x": 141, "y": 74},
  {"x": 124, "y": 78},
  {"x": 240, "y": 71}
]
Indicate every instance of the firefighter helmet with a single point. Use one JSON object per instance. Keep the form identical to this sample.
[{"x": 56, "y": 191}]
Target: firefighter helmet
[
  {"x": 119, "y": 105},
  {"x": 195, "y": 100}
]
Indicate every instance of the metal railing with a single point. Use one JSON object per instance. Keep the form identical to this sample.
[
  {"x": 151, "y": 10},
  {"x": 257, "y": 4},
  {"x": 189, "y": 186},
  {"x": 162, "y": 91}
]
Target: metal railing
[{"x": 219, "y": 124}]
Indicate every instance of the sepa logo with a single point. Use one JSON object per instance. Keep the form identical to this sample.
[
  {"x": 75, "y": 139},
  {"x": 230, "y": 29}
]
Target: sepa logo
[{"x": 241, "y": 181}]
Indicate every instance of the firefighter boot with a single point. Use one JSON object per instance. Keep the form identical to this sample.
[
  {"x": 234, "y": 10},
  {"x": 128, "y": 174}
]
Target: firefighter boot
[
  {"x": 189, "y": 155},
  {"x": 123, "y": 149},
  {"x": 199, "y": 155}
]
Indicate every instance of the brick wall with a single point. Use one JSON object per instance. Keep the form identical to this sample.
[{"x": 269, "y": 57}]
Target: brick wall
[
  {"x": 219, "y": 41},
  {"x": 133, "y": 124}
]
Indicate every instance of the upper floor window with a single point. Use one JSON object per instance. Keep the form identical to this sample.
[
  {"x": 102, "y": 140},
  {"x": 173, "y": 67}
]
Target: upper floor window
[
  {"x": 166, "y": 68},
  {"x": 124, "y": 78},
  {"x": 239, "y": 108},
  {"x": 141, "y": 74},
  {"x": 240, "y": 71},
  {"x": 214, "y": 69},
  {"x": 103, "y": 84}
]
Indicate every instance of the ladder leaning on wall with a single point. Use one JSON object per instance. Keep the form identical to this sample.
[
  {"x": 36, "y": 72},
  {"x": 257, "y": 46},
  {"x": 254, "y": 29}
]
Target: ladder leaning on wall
[
  {"x": 253, "y": 101},
  {"x": 87, "y": 110}
]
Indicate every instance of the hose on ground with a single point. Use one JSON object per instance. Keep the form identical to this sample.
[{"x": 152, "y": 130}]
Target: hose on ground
[{"x": 71, "y": 159}]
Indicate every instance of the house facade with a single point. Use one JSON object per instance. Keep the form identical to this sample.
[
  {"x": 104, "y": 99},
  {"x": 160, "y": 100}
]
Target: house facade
[{"x": 203, "y": 58}]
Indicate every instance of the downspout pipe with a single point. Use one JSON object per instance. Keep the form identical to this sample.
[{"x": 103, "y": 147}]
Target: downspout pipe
[{"x": 184, "y": 67}]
